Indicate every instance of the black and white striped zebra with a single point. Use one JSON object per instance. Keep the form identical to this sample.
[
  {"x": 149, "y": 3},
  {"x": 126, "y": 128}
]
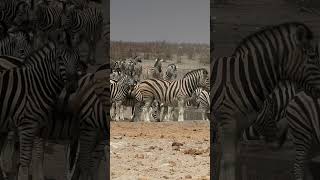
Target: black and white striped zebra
[
  {"x": 202, "y": 99},
  {"x": 134, "y": 100},
  {"x": 302, "y": 114},
  {"x": 155, "y": 71},
  {"x": 14, "y": 12},
  {"x": 17, "y": 45},
  {"x": 86, "y": 24},
  {"x": 137, "y": 69},
  {"x": 171, "y": 92},
  {"x": 29, "y": 92},
  {"x": 94, "y": 130},
  {"x": 241, "y": 83},
  {"x": 119, "y": 92},
  {"x": 171, "y": 72},
  {"x": 272, "y": 110},
  {"x": 46, "y": 21}
]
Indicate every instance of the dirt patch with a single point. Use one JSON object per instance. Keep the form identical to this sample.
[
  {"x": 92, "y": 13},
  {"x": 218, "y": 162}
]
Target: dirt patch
[{"x": 166, "y": 150}]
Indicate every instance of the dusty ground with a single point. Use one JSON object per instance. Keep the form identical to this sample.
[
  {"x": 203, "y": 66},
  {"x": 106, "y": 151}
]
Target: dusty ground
[{"x": 160, "y": 150}]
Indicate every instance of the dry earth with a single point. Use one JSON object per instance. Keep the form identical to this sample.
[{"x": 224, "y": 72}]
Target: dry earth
[{"x": 160, "y": 150}]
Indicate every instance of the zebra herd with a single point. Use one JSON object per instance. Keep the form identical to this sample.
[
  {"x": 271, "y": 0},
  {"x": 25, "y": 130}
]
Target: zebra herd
[
  {"x": 267, "y": 88},
  {"x": 46, "y": 95},
  {"x": 154, "y": 96}
]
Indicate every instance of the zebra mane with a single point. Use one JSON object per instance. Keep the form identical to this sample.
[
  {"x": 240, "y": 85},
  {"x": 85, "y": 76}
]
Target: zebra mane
[
  {"x": 194, "y": 71},
  {"x": 266, "y": 29}
]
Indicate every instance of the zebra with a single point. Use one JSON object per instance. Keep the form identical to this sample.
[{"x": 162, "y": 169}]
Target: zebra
[
  {"x": 65, "y": 53},
  {"x": 272, "y": 110},
  {"x": 169, "y": 92},
  {"x": 14, "y": 12},
  {"x": 171, "y": 72},
  {"x": 134, "y": 100},
  {"x": 155, "y": 71},
  {"x": 36, "y": 86},
  {"x": 16, "y": 44},
  {"x": 302, "y": 114},
  {"x": 119, "y": 91},
  {"x": 92, "y": 118},
  {"x": 241, "y": 83},
  {"x": 202, "y": 98},
  {"x": 86, "y": 23},
  {"x": 137, "y": 69},
  {"x": 46, "y": 20}
]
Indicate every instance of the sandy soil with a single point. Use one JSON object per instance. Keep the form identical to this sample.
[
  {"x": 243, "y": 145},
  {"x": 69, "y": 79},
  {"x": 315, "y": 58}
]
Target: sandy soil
[{"x": 165, "y": 150}]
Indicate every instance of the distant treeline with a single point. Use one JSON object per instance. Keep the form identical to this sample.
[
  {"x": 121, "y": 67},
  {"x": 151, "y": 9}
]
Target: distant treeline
[{"x": 160, "y": 49}]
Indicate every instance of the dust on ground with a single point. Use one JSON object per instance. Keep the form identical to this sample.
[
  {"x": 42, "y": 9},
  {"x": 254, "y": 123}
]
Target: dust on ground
[{"x": 160, "y": 150}]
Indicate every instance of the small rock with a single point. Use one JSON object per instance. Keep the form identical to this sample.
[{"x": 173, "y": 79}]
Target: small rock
[
  {"x": 192, "y": 151},
  {"x": 160, "y": 149},
  {"x": 172, "y": 163},
  {"x": 176, "y": 144},
  {"x": 205, "y": 178},
  {"x": 139, "y": 156},
  {"x": 188, "y": 177},
  {"x": 162, "y": 136},
  {"x": 176, "y": 148},
  {"x": 152, "y": 147},
  {"x": 117, "y": 137},
  {"x": 165, "y": 177}
]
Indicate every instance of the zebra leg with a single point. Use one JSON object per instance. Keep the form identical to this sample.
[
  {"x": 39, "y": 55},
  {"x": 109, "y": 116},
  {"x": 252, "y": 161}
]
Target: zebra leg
[
  {"x": 97, "y": 157},
  {"x": 118, "y": 104},
  {"x": 87, "y": 145},
  {"x": 181, "y": 110},
  {"x": 162, "y": 112},
  {"x": 37, "y": 159},
  {"x": 301, "y": 159},
  {"x": 112, "y": 110},
  {"x": 146, "y": 111},
  {"x": 169, "y": 115},
  {"x": 7, "y": 159},
  {"x": 121, "y": 113},
  {"x": 27, "y": 132},
  {"x": 227, "y": 137},
  {"x": 7, "y": 152}
]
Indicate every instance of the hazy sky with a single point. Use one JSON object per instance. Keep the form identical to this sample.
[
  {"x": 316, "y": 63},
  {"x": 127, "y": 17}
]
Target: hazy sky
[{"x": 170, "y": 20}]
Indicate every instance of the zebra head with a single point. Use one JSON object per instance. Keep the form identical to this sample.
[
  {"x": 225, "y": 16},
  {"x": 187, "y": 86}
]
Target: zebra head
[
  {"x": 23, "y": 44},
  {"x": 310, "y": 72},
  {"x": 69, "y": 66},
  {"x": 158, "y": 64},
  {"x": 171, "y": 72},
  {"x": 23, "y": 10}
]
